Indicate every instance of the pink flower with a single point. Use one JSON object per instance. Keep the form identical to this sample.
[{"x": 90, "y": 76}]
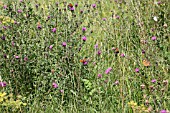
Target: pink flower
[
  {"x": 54, "y": 30},
  {"x": 54, "y": 85},
  {"x": 154, "y": 38},
  {"x": 99, "y": 75},
  {"x": 94, "y": 5},
  {"x": 64, "y": 44},
  {"x": 96, "y": 46},
  {"x": 137, "y": 70},
  {"x": 19, "y": 11},
  {"x": 84, "y": 29},
  {"x": 104, "y": 19},
  {"x": 84, "y": 38},
  {"x": 2, "y": 84},
  {"x": 61, "y": 91},
  {"x": 163, "y": 111},
  {"x": 108, "y": 70},
  {"x": 17, "y": 57},
  {"x": 99, "y": 52},
  {"x": 51, "y": 46},
  {"x": 122, "y": 55},
  {"x": 153, "y": 81},
  {"x": 116, "y": 82},
  {"x": 25, "y": 58}
]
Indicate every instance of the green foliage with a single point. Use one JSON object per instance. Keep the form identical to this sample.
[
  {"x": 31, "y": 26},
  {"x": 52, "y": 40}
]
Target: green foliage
[{"x": 131, "y": 37}]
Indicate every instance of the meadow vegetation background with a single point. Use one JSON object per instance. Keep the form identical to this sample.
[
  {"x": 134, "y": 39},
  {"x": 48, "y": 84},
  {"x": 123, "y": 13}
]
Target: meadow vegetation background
[{"x": 108, "y": 56}]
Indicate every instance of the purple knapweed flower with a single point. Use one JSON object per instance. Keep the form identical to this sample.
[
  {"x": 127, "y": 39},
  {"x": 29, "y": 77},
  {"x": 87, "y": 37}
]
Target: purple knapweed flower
[
  {"x": 99, "y": 75},
  {"x": 84, "y": 29},
  {"x": 61, "y": 91},
  {"x": 116, "y": 82},
  {"x": 39, "y": 27},
  {"x": 13, "y": 44},
  {"x": 3, "y": 37},
  {"x": 4, "y": 27},
  {"x": 137, "y": 70},
  {"x": 99, "y": 52},
  {"x": 153, "y": 81},
  {"x": 108, "y": 70},
  {"x": 54, "y": 30},
  {"x": 64, "y": 44},
  {"x": 25, "y": 59},
  {"x": 5, "y": 6},
  {"x": 96, "y": 46},
  {"x": 50, "y": 47},
  {"x": 81, "y": 11},
  {"x": 54, "y": 85},
  {"x": 76, "y": 5},
  {"x": 113, "y": 48},
  {"x": 122, "y": 55},
  {"x": 5, "y": 56},
  {"x": 117, "y": 17},
  {"x": 104, "y": 19},
  {"x": 143, "y": 51},
  {"x": 72, "y": 9},
  {"x": 84, "y": 38},
  {"x": 154, "y": 38},
  {"x": 94, "y": 5},
  {"x": 19, "y": 11},
  {"x": 85, "y": 63},
  {"x": 17, "y": 57},
  {"x": 3, "y": 84},
  {"x": 163, "y": 111},
  {"x": 159, "y": 2}
]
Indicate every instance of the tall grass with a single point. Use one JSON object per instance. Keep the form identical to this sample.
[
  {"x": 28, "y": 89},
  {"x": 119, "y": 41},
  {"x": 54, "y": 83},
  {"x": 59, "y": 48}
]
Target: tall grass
[{"x": 131, "y": 38}]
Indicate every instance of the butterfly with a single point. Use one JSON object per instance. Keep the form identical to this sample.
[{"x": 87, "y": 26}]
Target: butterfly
[
  {"x": 38, "y": 24},
  {"x": 116, "y": 50},
  {"x": 70, "y": 5},
  {"x": 83, "y": 60},
  {"x": 146, "y": 63}
]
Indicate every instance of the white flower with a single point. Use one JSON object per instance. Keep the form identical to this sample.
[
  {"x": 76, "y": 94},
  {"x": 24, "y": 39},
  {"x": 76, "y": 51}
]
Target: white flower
[{"x": 155, "y": 18}]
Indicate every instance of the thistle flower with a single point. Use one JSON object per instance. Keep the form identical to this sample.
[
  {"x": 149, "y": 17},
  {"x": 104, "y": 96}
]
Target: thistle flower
[
  {"x": 104, "y": 19},
  {"x": 64, "y": 44},
  {"x": 154, "y": 38},
  {"x": 116, "y": 82},
  {"x": 54, "y": 30},
  {"x": 122, "y": 55},
  {"x": 54, "y": 85},
  {"x": 99, "y": 52},
  {"x": 3, "y": 84},
  {"x": 72, "y": 9},
  {"x": 108, "y": 70},
  {"x": 137, "y": 70},
  {"x": 99, "y": 75},
  {"x": 17, "y": 57},
  {"x": 84, "y": 29},
  {"x": 61, "y": 91},
  {"x": 94, "y": 5},
  {"x": 163, "y": 111},
  {"x": 13, "y": 44},
  {"x": 5, "y": 6},
  {"x": 96, "y": 46},
  {"x": 76, "y": 5},
  {"x": 25, "y": 59},
  {"x": 19, "y": 11},
  {"x": 84, "y": 38},
  {"x": 3, "y": 37},
  {"x": 153, "y": 81},
  {"x": 51, "y": 46}
]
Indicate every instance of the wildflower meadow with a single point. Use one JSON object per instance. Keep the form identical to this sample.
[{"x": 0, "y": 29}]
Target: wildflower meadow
[{"x": 84, "y": 56}]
